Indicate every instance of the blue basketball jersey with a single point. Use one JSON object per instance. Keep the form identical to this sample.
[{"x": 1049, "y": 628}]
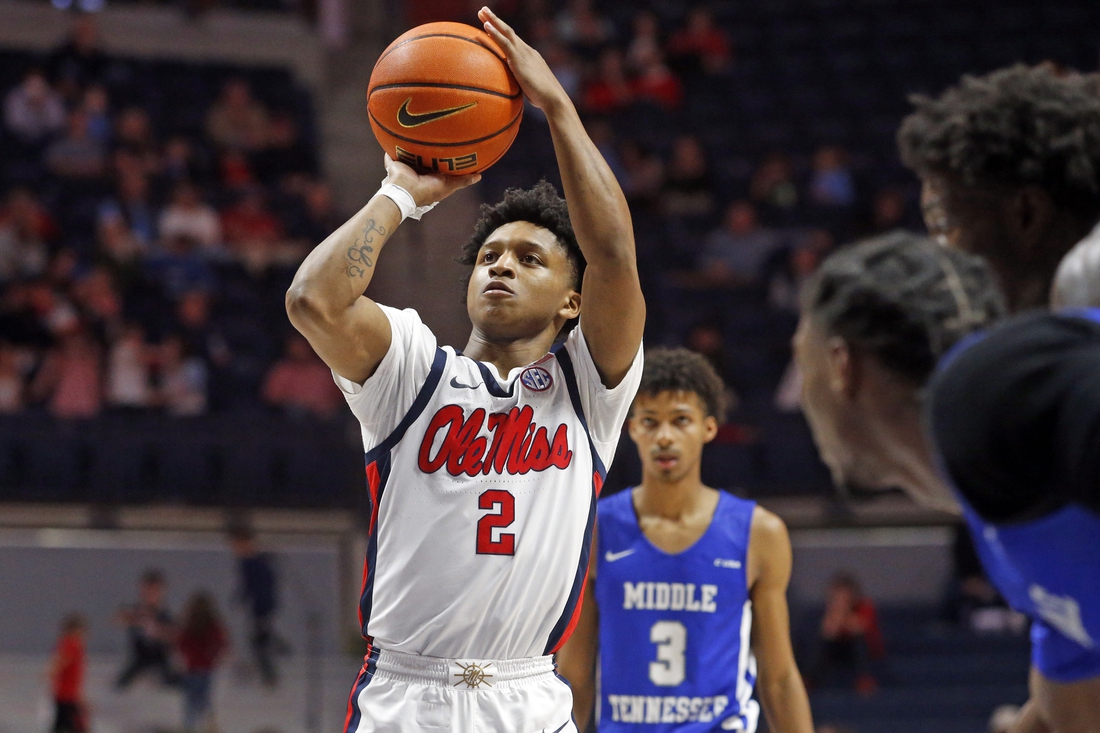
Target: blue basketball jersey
[
  {"x": 1049, "y": 569},
  {"x": 674, "y": 629}
]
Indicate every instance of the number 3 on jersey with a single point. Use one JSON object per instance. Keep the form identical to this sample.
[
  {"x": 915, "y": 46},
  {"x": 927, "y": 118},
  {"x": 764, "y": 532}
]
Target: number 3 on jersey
[
  {"x": 671, "y": 639},
  {"x": 503, "y": 512}
]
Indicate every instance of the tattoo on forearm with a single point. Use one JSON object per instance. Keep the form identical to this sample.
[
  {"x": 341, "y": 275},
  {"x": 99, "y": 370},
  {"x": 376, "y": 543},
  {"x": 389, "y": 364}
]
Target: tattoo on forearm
[{"x": 360, "y": 255}]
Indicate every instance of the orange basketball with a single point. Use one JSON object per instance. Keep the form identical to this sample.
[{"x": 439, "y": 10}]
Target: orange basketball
[{"x": 442, "y": 98}]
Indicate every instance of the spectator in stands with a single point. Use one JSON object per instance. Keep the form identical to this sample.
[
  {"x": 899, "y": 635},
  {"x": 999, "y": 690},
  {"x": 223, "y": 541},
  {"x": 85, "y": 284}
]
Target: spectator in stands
[
  {"x": 178, "y": 267},
  {"x": 129, "y": 363},
  {"x": 798, "y": 266},
  {"x": 76, "y": 155},
  {"x": 646, "y": 41},
  {"x": 189, "y": 216},
  {"x": 183, "y": 379},
  {"x": 610, "y": 90},
  {"x": 319, "y": 217},
  {"x": 80, "y": 61},
  {"x": 134, "y": 136},
  {"x": 67, "y": 669},
  {"x": 849, "y": 638},
  {"x": 237, "y": 121},
  {"x": 645, "y": 174},
  {"x": 34, "y": 112},
  {"x": 182, "y": 163},
  {"x": 202, "y": 642},
  {"x": 12, "y": 380},
  {"x": 687, "y": 191},
  {"x": 96, "y": 295},
  {"x": 133, "y": 204},
  {"x": 583, "y": 28},
  {"x": 118, "y": 249},
  {"x": 772, "y": 187},
  {"x": 564, "y": 66},
  {"x": 200, "y": 335},
  {"x": 738, "y": 252},
  {"x": 656, "y": 84},
  {"x": 831, "y": 183},
  {"x": 284, "y": 154},
  {"x": 71, "y": 377},
  {"x": 301, "y": 383},
  {"x": 258, "y": 590},
  {"x": 97, "y": 107},
  {"x": 888, "y": 211},
  {"x": 251, "y": 231},
  {"x": 700, "y": 45},
  {"x": 25, "y": 230},
  {"x": 151, "y": 632}
]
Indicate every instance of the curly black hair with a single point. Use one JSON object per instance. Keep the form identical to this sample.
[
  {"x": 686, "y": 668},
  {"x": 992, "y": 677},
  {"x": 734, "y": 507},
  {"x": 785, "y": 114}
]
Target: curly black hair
[
  {"x": 1019, "y": 126},
  {"x": 680, "y": 370},
  {"x": 539, "y": 205},
  {"x": 903, "y": 298}
]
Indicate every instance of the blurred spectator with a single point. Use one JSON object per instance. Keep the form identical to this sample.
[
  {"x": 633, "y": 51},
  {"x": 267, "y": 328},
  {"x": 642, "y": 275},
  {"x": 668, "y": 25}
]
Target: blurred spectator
[
  {"x": 738, "y": 252},
  {"x": 656, "y": 83},
  {"x": 67, "y": 669},
  {"x": 786, "y": 282},
  {"x": 646, "y": 41},
  {"x": 250, "y": 229},
  {"x": 189, "y": 216},
  {"x": 645, "y": 173},
  {"x": 831, "y": 183},
  {"x": 772, "y": 186},
  {"x": 565, "y": 68},
  {"x": 849, "y": 638},
  {"x": 12, "y": 380},
  {"x": 285, "y": 153},
  {"x": 80, "y": 61},
  {"x": 76, "y": 155},
  {"x": 128, "y": 370},
  {"x": 319, "y": 217},
  {"x": 96, "y": 106},
  {"x": 236, "y": 120},
  {"x": 97, "y": 297},
  {"x": 610, "y": 90},
  {"x": 25, "y": 230},
  {"x": 300, "y": 382},
  {"x": 183, "y": 379},
  {"x": 258, "y": 590},
  {"x": 133, "y": 205},
  {"x": 134, "y": 137},
  {"x": 687, "y": 189},
  {"x": 151, "y": 631},
  {"x": 700, "y": 45},
  {"x": 182, "y": 163},
  {"x": 200, "y": 335},
  {"x": 179, "y": 267},
  {"x": 202, "y": 641},
  {"x": 33, "y": 111},
  {"x": 118, "y": 248},
  {"x": 71, "y": 377},
  {"x": 888, "y": 211},
  {"x": 583, "y": 28}
]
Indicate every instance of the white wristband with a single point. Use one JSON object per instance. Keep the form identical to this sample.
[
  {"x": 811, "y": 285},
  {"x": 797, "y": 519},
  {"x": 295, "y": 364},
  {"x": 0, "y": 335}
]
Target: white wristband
[{"x": 404, "y": 201}]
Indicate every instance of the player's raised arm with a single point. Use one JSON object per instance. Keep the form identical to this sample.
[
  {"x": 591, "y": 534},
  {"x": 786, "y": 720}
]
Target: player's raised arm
[
  {"x": 782, "y": 692},
  {"x": 326, "y": 302},
  {"x": 612, "y": 307}
]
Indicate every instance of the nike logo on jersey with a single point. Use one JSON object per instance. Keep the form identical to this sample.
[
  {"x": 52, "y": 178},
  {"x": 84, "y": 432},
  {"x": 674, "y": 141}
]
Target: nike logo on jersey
[
  {"x": 458, "y": 385},
  {"x": 405, "y": 118},
  {"x": 613, "y": 556},
  {"x": 670, "y": 597}
]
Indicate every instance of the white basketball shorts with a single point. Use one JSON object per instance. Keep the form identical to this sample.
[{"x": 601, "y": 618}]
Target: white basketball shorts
[{"x": 403, "y": 693}]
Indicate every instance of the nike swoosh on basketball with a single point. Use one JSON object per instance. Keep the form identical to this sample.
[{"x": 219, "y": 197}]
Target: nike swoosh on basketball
[
  {"x": 613, "y": 556},
  {"x": 458, "y": 385},
  {"x": 405, "y": 118}
]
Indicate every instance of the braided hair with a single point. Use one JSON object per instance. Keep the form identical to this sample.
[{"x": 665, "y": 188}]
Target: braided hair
[
  {"x": 680, "y": 370},
  {"x": 1020, "y": 126},
  {"x": 903, "y": 298}
]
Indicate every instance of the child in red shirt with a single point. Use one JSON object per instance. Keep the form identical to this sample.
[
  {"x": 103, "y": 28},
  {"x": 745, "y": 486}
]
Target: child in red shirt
[
  {"x": 67, "y": 676},
  {"x": 201, "y": 642}
]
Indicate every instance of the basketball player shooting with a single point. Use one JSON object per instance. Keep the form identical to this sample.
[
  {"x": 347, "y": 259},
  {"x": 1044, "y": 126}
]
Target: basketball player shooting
[
  {"x": 483, "y": 466},
  {"x": 688, "y": 584}
]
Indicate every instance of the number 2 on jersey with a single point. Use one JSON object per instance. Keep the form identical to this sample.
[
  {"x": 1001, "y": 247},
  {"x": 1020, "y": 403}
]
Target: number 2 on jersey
[
  {"x": 671, "y": 639},
  {"x": 503, "y": 505}
]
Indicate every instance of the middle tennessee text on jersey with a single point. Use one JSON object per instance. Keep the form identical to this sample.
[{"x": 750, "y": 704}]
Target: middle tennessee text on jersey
[
  {"x": 674, "y": 629},
  {"x": 482, "y": 509}
]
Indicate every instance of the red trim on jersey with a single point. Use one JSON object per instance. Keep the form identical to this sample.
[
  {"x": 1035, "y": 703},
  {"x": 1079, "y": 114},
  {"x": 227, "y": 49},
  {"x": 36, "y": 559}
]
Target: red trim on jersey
[
  {"x": 597, "y": 482},
  {"x": 373, "y": 481},
  {"x": 352, "y": 705},
  {"x": 576, "y": 617}
]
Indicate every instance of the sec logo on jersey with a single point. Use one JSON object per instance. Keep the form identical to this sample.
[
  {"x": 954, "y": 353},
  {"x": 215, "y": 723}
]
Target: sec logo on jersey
[{"x": 536, "y": 379}]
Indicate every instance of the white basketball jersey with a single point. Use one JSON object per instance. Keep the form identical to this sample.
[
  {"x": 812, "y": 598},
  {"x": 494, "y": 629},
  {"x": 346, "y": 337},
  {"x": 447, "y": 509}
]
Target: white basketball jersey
[{"x": 482, "y": 494}]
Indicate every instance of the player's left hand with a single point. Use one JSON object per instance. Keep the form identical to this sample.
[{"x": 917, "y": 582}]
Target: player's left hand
[{"x": 530, "y": 69}]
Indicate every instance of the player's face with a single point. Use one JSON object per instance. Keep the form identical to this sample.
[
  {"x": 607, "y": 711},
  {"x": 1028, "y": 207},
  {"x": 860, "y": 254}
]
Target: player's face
[
  {"x": 831, "y": 406},
  {"x": 522, "y": 284},
  {"x": 670, "y": 430}
]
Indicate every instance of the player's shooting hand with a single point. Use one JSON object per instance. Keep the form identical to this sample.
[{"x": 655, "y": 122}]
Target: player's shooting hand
[
  {"x": 426, "y": 188},
  {"x": 530, "y": 69}
]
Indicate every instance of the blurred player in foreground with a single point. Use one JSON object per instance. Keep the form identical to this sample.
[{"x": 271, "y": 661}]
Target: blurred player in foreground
[
  {"x": 1008, "y": 430},
  {"x": 1010, "y": 170},
  {"x": 483, "y": 466},
  {"x": 688, "y": 584}
]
